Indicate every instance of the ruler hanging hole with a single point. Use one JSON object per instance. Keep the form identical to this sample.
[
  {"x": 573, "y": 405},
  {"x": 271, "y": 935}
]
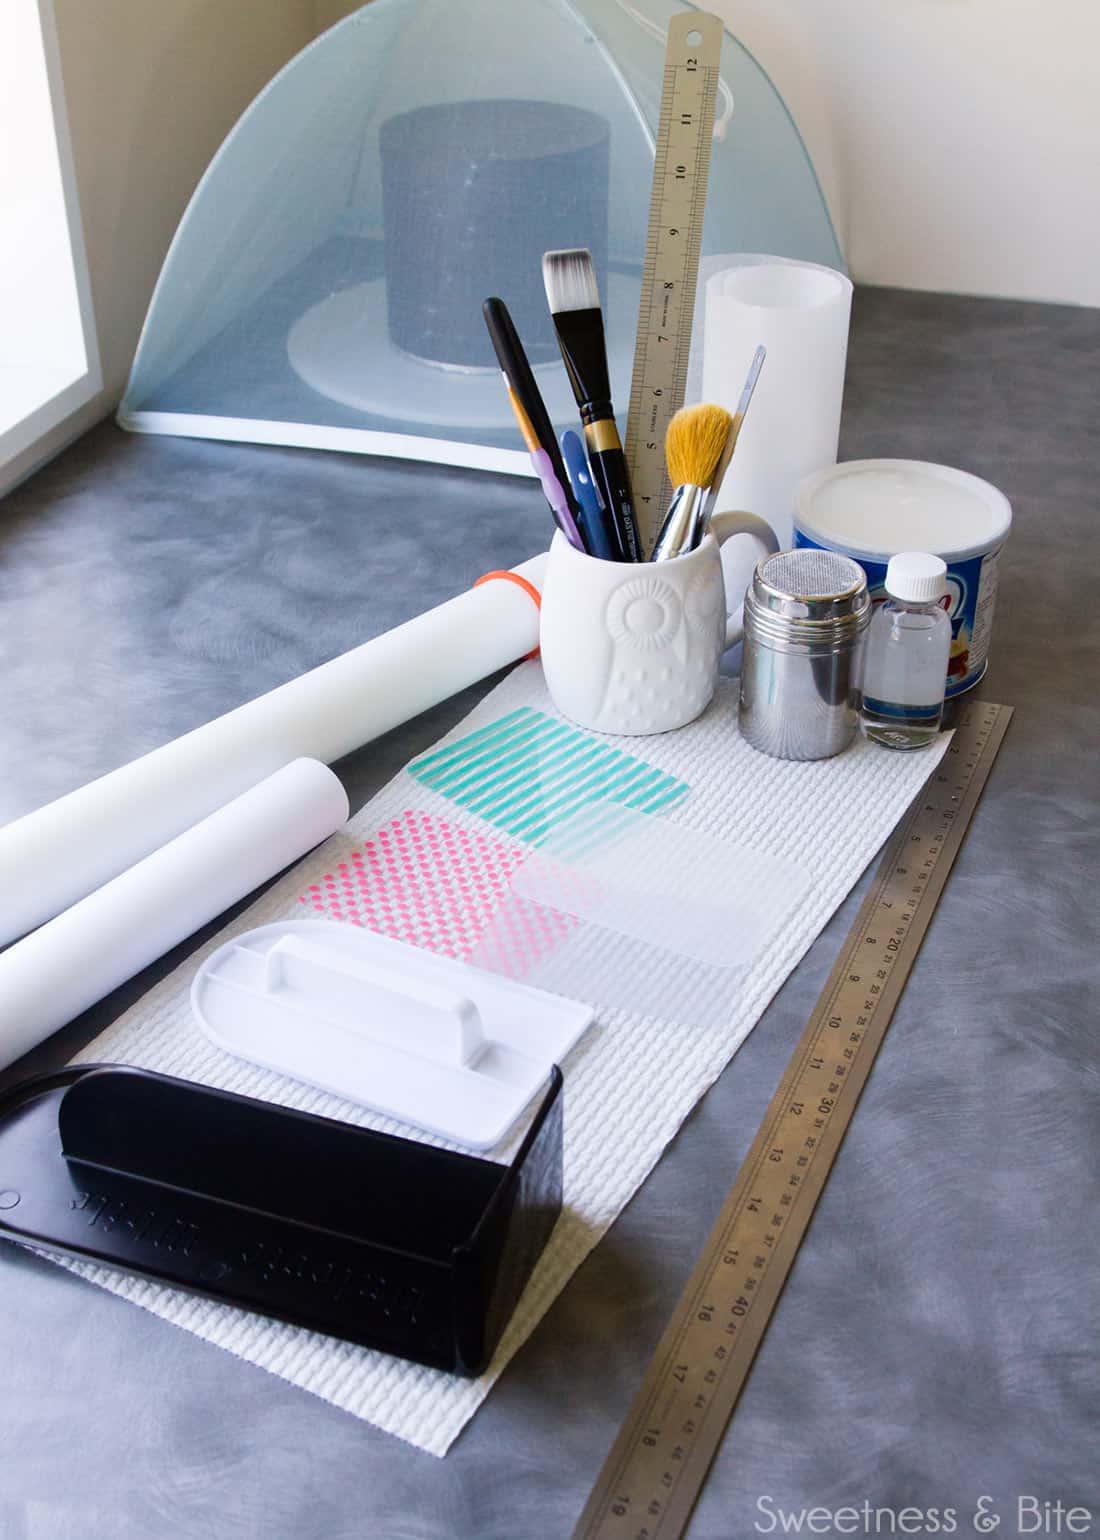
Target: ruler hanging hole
[{"x": 693, "y": 39}]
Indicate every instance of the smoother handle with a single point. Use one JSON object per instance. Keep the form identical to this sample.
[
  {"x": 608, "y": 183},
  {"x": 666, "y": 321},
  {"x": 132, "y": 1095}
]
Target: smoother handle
[
  {"x": 723, "y": 526},
  {"x": 408, "y": 1012}
]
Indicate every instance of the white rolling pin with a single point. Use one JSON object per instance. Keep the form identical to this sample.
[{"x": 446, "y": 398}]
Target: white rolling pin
[
  {"x": 77, "y": 958},
  {"x": 53, "y": 857}
]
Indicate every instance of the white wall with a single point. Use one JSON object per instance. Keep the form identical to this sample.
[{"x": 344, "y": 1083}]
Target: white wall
[
  {"x": 958, "y": 140},
  {"x": 152, "y": 88}
]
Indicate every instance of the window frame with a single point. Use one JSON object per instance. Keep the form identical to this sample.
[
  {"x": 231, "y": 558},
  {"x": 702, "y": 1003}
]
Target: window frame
[{"x": 32, "y": 429}]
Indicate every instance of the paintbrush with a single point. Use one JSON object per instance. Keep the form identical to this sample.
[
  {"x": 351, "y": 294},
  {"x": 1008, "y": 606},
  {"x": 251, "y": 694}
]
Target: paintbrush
[
  {"x": 731, "y": 440},
  {"x": 574, "y": 301},
  {"x": 594, "y": 525},
  {"x": 580, "y": 474},
  {"x": 688, "y": 517},
  {"x": 532, "y": 418},
  {"x": 695, "y": 445}
]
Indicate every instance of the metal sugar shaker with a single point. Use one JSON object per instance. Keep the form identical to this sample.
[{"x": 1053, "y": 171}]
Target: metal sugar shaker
[{"x": 806, "y": 613}]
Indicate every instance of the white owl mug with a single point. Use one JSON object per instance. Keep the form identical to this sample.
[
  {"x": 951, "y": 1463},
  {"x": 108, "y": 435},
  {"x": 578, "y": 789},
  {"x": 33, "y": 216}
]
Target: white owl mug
[{"x": 634, "y": 647}]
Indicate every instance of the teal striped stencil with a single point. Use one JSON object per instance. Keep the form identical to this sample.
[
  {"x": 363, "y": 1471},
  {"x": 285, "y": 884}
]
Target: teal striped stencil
[{"x": 526, "y": 773}]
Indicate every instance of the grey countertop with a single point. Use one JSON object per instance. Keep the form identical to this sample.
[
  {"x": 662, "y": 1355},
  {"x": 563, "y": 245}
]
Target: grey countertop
[{"x": 937, "y": 1340}]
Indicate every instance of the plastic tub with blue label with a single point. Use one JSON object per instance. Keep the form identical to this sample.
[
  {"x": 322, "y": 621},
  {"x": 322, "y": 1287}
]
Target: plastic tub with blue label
[{"x": 872, "y": 509}]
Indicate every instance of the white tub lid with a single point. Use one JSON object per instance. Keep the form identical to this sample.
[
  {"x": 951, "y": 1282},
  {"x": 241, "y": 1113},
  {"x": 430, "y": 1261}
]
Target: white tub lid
[{"x": 876, "y": 508}]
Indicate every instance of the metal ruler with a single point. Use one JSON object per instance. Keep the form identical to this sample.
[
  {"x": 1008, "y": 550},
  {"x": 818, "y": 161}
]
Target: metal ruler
[
  {"x": 657, "y": 1466},
  {"x": 667, "y": 307}
]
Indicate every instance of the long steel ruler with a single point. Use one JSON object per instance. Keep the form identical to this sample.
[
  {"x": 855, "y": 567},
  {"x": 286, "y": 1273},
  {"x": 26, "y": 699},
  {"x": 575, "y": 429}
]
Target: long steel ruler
[
  {"x": 656, "y": 1469},
  {"x": 675, "y": 236}
]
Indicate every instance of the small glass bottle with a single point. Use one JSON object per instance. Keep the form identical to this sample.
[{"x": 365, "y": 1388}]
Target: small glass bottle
[{"x": 908, "y": 647}]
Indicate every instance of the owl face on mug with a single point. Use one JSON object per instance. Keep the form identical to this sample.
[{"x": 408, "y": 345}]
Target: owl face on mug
[
  {"x": 633, "y": 648},
  {"x": 661, "y": 651}
]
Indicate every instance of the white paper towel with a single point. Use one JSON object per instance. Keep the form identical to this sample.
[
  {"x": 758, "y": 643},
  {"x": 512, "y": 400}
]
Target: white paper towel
[
  {"x": 799, "y": 312},
  {"x": 628, "y": 1086}
]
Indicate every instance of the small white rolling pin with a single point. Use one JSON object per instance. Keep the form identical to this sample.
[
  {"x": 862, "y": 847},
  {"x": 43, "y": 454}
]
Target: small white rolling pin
[
  {"x": 68, "y": 848},
  {"x": 77, "y": 958}
]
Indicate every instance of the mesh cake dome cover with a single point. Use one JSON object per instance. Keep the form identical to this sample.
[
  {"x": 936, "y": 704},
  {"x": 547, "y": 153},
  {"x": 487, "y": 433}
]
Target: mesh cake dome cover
[{"x": 324, "y": 286}]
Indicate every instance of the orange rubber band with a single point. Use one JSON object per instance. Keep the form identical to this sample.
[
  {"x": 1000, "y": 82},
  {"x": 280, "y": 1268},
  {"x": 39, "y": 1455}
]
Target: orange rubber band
[{"x": 521, "y": 582}]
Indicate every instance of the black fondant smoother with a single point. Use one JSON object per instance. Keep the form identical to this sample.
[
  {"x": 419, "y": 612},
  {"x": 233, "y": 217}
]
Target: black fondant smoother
[{"x": 384, "y": 1241}]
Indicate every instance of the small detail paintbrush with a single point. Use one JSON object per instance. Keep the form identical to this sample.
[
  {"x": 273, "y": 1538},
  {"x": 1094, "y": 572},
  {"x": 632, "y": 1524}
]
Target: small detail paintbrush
[
  {"x": 574, "y": 301},
  {"x": 694, "y": 446},
  {"x": 731, "y": 441}
]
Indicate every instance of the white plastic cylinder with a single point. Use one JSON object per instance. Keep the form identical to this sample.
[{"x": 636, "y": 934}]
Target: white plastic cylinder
[
  {"x": 53, "y": 857},
  {"x": 799, "y": 312},
  {"x": 81, "y": 955}
]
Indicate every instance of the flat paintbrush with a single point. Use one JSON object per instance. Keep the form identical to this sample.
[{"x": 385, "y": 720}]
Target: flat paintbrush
[{"x": 574, "y": 301}]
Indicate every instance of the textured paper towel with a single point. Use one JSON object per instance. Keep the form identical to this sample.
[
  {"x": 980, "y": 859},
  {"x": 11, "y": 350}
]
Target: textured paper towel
[{"x": 629, "y": 1084}]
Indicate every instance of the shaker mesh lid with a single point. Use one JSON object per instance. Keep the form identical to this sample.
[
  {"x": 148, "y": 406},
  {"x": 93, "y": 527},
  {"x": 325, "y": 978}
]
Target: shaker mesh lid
[
  {"x": 811, "y": 574},
  {"x": 810, "y": 585},
  {"x": 807, "y": 597}
]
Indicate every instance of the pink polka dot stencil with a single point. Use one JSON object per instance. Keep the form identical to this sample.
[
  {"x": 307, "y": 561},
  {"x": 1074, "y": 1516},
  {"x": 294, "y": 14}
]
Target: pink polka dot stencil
[{"x": 424, "y": 881}]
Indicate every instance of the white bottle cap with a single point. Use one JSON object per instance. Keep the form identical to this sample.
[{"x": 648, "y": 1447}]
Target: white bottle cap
[{"x": 916, "y": 577}]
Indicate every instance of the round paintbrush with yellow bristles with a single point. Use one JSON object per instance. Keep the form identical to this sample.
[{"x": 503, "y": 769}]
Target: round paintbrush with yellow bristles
[
  {"x": 699, "y": 446},
  {"x": 695, "y": 446}
]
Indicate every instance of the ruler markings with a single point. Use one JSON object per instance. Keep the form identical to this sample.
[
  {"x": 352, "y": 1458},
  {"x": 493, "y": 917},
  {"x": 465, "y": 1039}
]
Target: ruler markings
[
  {"x": 658, "y": 1464},
  {"x": 667, "y": 305}
]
